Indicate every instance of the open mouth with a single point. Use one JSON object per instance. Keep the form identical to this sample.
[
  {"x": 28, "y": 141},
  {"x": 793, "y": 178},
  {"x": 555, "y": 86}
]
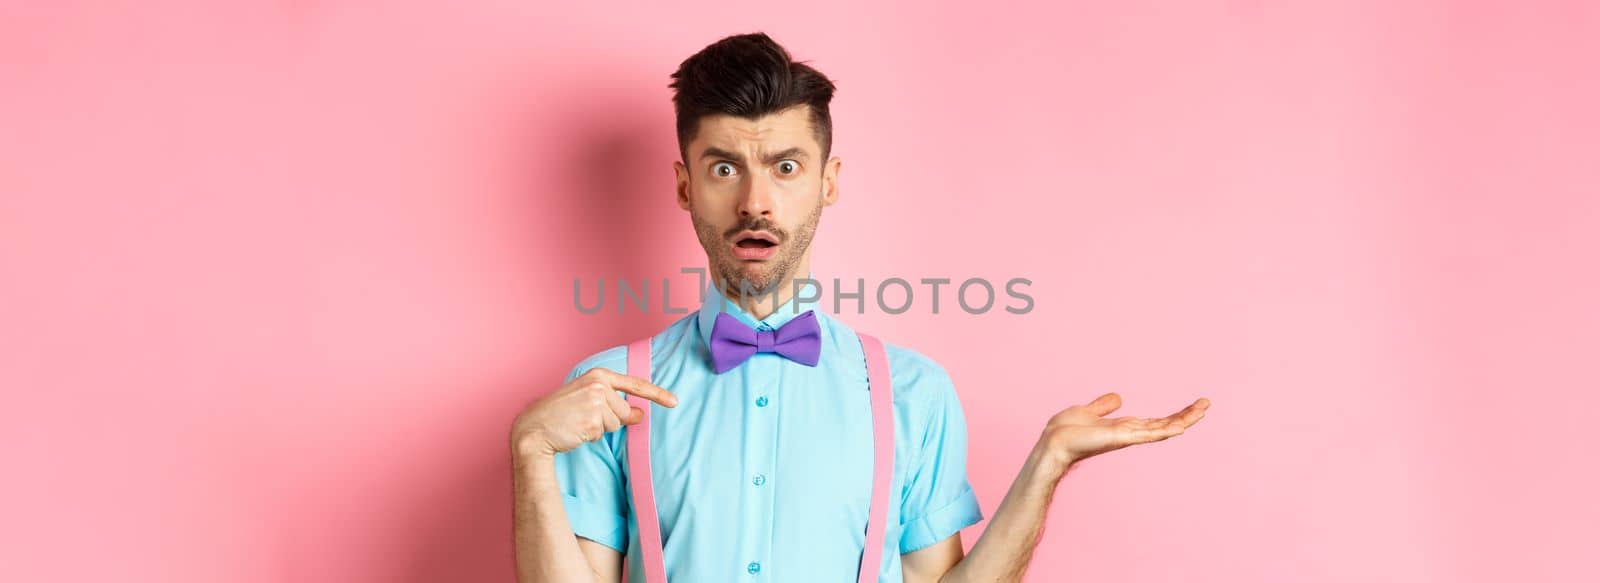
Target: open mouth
[
  {"x": 754, "y": 245},
  {"x": 756, "y": 240}
]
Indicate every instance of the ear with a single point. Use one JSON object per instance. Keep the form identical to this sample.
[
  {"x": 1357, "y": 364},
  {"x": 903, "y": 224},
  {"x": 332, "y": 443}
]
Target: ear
[
  {"x": 682, "y": 174},
  {"x": 830, "y": 181}
]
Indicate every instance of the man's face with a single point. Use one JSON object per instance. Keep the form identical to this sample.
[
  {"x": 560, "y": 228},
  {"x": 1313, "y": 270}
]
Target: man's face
[{"x": 755, "y": 190}]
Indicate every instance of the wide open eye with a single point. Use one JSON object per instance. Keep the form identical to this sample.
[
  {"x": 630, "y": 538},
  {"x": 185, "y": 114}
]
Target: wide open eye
[
  {"x": 788, "y": 167},
  {"x": 723, "y": 170}
]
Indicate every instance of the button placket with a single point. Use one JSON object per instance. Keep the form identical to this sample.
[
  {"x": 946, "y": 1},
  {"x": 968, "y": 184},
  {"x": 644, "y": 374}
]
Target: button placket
[{"x": 766, "y": 374}]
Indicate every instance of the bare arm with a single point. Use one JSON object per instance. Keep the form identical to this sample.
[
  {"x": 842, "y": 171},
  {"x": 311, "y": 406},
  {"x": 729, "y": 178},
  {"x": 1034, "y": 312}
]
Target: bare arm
[
  {"x": 581, "y": 411},
  {"x": 546, "y": 550},
  {"x": 1006, "y": 547}
]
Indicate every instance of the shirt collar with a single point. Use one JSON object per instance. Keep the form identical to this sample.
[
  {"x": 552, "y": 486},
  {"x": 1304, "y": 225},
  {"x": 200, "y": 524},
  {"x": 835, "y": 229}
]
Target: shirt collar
[{"x": 715, "y": 303}]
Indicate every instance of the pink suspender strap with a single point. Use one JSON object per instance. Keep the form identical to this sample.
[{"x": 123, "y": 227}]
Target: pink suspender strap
[
  {"x": 644, "y": 495},
  {"x": 881, "y": 396}
]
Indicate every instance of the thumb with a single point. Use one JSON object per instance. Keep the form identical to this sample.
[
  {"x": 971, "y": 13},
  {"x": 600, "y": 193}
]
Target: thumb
[{"x": 1104, "y": 404}]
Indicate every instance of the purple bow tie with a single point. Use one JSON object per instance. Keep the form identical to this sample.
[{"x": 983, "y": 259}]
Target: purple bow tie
[{"x": 732, "y": 342}]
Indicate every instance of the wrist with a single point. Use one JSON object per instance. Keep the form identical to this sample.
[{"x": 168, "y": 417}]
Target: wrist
[
  {"x": 1050, "y": 464},
  {"x": 531, "y": 450}
]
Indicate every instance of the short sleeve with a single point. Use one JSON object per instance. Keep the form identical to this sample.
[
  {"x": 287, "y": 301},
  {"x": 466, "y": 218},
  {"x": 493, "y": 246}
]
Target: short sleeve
[
  {"x": 593, "y": 485},
  {"x": 939, "y": 501}
]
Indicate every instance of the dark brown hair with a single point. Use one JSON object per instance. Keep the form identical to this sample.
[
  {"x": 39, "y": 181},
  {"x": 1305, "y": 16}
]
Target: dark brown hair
[{"x": 748, "y": 76}]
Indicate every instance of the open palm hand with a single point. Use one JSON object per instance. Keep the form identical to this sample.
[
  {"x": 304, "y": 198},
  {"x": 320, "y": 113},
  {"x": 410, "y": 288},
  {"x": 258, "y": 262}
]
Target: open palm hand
[{"x": 1082, "y": 431}]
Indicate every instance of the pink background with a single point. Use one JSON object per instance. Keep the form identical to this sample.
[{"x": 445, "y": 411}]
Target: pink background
[{"x": 277, "y": 277}]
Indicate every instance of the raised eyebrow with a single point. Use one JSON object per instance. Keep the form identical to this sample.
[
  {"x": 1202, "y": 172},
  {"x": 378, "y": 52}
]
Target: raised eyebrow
[
  {"x": 791, "y": 153},
  {"x": 715, "y": 152}
]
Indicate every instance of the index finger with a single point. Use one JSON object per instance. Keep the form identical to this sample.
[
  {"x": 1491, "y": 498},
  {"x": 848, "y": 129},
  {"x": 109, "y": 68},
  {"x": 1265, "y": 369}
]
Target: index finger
[{"x": 638, "y": 386}]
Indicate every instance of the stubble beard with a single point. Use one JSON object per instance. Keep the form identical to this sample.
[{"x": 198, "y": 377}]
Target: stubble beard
[{"x": 730, "y": 271}]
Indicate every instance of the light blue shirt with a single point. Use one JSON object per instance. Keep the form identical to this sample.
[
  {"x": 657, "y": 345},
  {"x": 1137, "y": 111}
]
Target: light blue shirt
[{"x": 763, "y": 473}]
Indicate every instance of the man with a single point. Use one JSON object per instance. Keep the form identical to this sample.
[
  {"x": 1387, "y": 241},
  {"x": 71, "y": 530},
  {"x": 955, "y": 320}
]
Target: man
[{"x": 763, "y": 463}]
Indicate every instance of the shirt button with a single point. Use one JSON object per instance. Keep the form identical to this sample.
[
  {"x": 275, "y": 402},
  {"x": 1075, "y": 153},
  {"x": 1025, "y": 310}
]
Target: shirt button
[
  {"x": 753, "y": 567},
  {"x": 759, "y": 479},
  {"x": 761, "y": 401}
]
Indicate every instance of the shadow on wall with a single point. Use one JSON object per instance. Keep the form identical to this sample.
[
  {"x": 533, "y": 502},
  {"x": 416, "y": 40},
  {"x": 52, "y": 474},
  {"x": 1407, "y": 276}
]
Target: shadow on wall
[{"x": 593, "y": 199}]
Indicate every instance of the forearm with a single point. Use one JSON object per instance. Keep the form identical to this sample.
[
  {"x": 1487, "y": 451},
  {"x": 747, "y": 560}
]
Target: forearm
[
  {"x": 1006, "y": 546},
  {"x": 546, "y": 550}
]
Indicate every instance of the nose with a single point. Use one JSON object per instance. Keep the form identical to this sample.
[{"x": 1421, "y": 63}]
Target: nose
[{"x": 756, "y": 200}]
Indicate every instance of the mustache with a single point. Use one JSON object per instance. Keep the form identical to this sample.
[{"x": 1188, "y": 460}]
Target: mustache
[{"x": 756, "y": 224}]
